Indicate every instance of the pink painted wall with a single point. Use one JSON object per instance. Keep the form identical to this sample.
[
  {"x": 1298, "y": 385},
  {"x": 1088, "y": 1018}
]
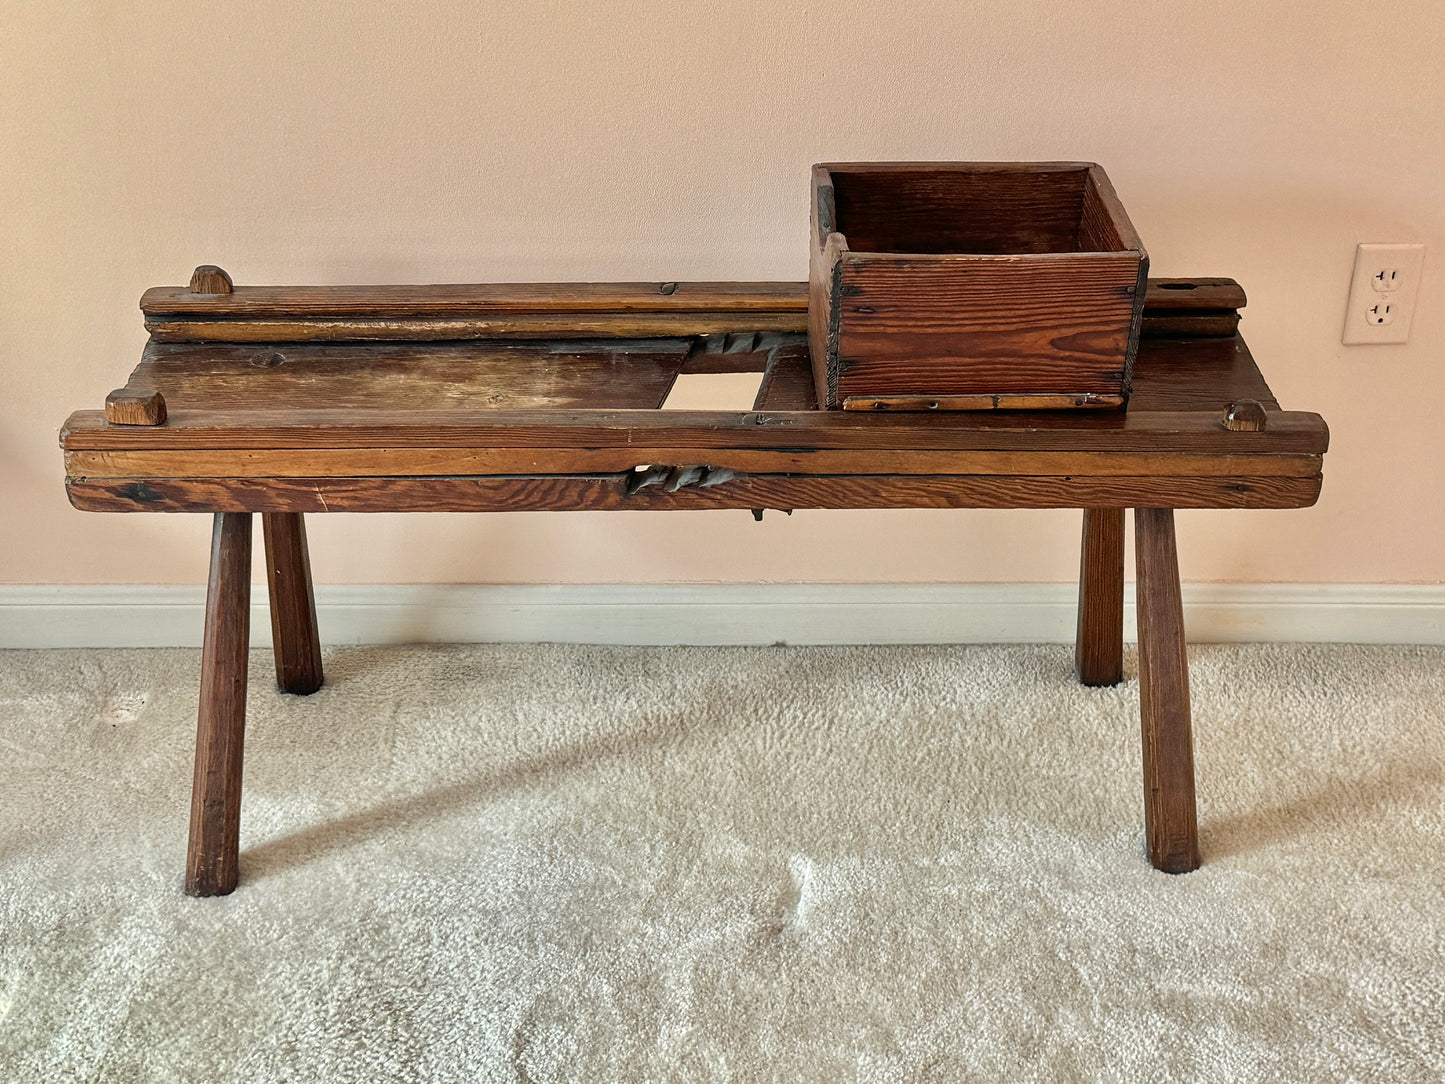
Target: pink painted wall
[{"x": 335, "y": 142}]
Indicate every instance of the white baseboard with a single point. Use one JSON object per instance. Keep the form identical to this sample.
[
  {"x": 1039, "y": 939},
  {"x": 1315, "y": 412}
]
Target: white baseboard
[{"x": 171, "y": 616}]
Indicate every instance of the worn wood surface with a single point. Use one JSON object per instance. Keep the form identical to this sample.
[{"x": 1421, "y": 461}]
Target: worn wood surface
[
  {"x": 448, "y": 414},
  {"x": 1245, "y": 416},
  {"x": 1218, "y": 325},
  {"x": 211, "y": 857},
  {"x": 950, "y": 282},
  {"x": 1105, "y": 225},
  {"x": 294, "y": 637},
  {"x": 1099, "y": 639},
  {"x": 610, "y": 492},
  {"x": 825, "y": 299},
  {"x": 401, "y": 462},
  {"x": 983, "y": 402},
  {"x": 135, "y": 406},
  {"x": 1190, "y": 307},
  {"x": 1170, "y": 822},
  {"x": 1196, "y": 375},
  {"x": 1161, "y": 431},
  {"x": 268, "y": 420},
  {"x": 260, "y": 314},
  {"x": 788, "y": 382},
  {"x": 414, "y": 376},
  {"x": 266, "y": 314},
  {"x": 1051, "y": 324},
  {"x": 210, "y": 280},
  {"x": 480, "y": 299},
  {"x": 524, "y": 326},
  {"x": 1199, "y": 295}
]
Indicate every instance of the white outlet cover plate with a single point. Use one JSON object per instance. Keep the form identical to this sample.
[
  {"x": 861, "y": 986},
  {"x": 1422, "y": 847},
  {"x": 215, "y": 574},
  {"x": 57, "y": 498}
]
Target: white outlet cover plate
[{"x": 1406, "y": 259}]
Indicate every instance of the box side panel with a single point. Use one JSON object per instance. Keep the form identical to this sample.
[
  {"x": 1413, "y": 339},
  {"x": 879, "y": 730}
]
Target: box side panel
[
  {"x": 1100, "y": 192},
  {"x": 1104, "y": 226},
  {"x": 825, "y": 250},
  {"x": 1055, "y": 324},
  {"x": 1098, "y": 232}
]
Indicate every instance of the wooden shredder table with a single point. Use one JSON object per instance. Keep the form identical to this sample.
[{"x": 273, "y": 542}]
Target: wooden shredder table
[{"x": 288, "y": 400}]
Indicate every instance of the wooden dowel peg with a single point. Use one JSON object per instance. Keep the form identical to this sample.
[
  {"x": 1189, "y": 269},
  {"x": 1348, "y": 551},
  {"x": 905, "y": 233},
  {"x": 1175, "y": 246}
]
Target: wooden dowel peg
[
  {"x": 135, "y": 406},
  {"x": 1246, "y": 416},
  {"x": 210, "y": 279}
]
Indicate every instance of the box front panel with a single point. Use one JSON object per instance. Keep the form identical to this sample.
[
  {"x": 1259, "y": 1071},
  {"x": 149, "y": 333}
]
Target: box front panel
[{"x": 985, "y": 325}]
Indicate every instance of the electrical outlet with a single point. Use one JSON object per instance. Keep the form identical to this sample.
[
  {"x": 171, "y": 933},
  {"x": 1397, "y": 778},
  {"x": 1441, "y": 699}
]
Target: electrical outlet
[
  {"x": 1385, "y": 280},
  {"x": 1382, "y": 293}
]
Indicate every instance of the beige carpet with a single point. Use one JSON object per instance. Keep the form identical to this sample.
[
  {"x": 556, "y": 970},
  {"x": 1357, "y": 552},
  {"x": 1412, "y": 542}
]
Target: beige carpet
[{"x": 559, "y": 863}]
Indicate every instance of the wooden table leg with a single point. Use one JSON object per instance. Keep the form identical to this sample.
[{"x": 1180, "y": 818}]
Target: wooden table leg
[
  {"x": 1099, "y": 642},
  {"x": 211, "y": 860},
  {"x": 293, "y": 604},
  {"x": 1169, "y": 815}
]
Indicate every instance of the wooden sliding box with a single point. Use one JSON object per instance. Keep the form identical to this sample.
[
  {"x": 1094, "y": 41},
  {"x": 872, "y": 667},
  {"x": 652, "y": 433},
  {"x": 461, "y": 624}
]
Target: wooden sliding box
[{"x": 972, "y": 286}]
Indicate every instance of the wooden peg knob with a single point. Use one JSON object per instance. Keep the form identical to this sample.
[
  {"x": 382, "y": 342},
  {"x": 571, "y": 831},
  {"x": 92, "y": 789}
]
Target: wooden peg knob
[
  {"x": 210, "y": 279},
  {"x": 1245, "y": 416},
  {"x": 135, "y": 406}
]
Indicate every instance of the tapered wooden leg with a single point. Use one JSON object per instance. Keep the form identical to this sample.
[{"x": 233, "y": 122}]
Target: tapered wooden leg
[
  {"x": 293, "y": 604},
  {"x": 211, "y": 860},
  {"x": 1099, "y": 643},
  {"x": 1170, "y": 823}
]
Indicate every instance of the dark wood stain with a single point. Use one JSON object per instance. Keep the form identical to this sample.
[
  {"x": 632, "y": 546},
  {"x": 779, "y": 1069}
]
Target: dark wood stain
[
  {"x": 212, "y": 857},
  {"x": 1099, "y": 641}
]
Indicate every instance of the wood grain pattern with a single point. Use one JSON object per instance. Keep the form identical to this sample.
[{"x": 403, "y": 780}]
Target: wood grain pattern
[
  {"x": 1109, "y": 228},
  {"x": 135, "y": 406},
  {"x": 1165, "y": 295},
  {"x": 1099, "y": 638},
  {"x": 294, "y": 637},
  {"x": 415, "y": 462},
  {"x": 983, "y": 402},
  {"x": 212, "y": 856},
  {"x": 1170, "y": 822},
  {"x": 1170, "y": 375},
  {"x": 210, "y": 280},
  {"x": 787, "y": 382},
  {"x": 615, "y": 310},
  {"x": 525, "y": 326},
  {"x": 260, "y": 314},
  {"x": 1196, "y": 375},
  {"x": 415, "y": 376},
  {"x": 1214, "y": 325},
  {"x": 563, "y": 493},
  {"x": 479, "y": 299},
  {"x": 825, "y": 285},
  {"x": 951, "y": 280},
  {"x": 1185, "y": 295},
  {"x": 1245, "y": 416},
  {"x": 1294, "y": 432},
  {"x": 1098, "y": 231},
  {"x": 1047, "y": 325}
]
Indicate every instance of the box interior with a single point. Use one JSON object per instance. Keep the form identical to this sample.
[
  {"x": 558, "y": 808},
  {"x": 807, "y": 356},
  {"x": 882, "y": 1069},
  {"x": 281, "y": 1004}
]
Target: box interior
[{"x": 961, "y": 212}]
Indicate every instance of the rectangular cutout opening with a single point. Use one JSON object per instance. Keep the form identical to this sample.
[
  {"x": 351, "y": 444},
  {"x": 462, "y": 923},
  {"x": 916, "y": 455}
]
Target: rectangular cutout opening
[{"x": 713, "y": 391}]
